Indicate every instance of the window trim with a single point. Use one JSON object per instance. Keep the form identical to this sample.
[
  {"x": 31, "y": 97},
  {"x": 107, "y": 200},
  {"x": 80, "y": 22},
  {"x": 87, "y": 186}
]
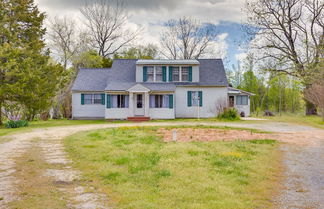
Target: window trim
[
  {"x": 155, "y": 67},
  {"x": 180, "y": 73},
  {"x": 241, "y": 101},
  {"x": 93, "y": 99}
]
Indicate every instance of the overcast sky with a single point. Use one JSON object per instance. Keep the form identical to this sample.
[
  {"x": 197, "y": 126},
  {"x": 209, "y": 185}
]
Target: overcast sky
[{"x": 226, "y": 16}]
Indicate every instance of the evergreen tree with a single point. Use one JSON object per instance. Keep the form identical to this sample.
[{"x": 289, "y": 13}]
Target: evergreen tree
[{"x": 27, "y": 77}]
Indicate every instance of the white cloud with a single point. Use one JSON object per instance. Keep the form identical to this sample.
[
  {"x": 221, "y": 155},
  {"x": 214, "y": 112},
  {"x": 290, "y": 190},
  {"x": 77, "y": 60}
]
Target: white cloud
[{"x": 151, "y": 14}]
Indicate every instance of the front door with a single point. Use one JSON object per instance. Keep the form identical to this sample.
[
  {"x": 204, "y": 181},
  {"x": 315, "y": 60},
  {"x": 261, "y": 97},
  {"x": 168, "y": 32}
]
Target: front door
[
  {"x": 139, "y": 105},
  {"x": 231, "y": 101}
]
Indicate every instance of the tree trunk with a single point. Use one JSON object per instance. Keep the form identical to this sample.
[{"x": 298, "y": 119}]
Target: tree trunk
[{"x": 1, "y": 123}]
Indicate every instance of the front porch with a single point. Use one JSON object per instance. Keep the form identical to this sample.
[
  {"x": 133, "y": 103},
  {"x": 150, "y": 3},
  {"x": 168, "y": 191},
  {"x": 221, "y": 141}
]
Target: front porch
[{"x": 139, "y": 104}]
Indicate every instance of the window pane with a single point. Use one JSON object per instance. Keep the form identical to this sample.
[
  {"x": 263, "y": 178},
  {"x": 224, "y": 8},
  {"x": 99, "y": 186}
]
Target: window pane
[
  {"x": 150, "y": 74},
  {"x": 158, "y": 74},
  {"x": 158, "y": 101},
  {"x": 88, "y": 99},
  {"x": 244, "y": 100},
  {"x": 195, "y": 98},
  {"x": 113, "y": 101},
  {"x": 175, "y": 74},
  {"x": 121, "y": 101},
  {"x": 97, "y": 98},
  {"x": 185, "y": 73},
  {"x": 139, "y": 98}
]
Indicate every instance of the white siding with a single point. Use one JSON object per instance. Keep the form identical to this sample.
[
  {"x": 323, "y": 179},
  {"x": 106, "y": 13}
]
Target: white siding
[
  {"x": 212, "y": 96},
  {"x": 161, "y": 113},
  {"x": 86, "y": 111},
  {"x": 117, "y": 113},
  {"x": 195, "y": 74},
  {"x": 243, "y": 108}
]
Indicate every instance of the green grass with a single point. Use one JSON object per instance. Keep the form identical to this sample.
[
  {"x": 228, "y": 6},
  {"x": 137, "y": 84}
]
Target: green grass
[
  {"x": 139, "y": 171},
  {"x": 300, "y": 119},
  {"x": 46, "y": 124}
]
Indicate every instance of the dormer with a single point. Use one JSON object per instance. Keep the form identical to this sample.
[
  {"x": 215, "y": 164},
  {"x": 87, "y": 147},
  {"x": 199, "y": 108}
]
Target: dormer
[{"x": 167, "y": 71}]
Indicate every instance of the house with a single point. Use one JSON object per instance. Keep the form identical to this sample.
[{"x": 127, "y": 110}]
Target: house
[{"x": 155, "y": 89}]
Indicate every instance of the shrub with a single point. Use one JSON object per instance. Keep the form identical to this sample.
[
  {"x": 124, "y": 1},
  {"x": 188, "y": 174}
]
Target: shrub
[
  {"x": 16, "y": 123},
  {"x": 229, "y": 114}
]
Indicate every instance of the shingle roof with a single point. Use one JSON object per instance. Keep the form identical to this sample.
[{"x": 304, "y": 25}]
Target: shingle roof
[
  {"x": 91, "y": 80},
  {"x": 121, "y": 76}
]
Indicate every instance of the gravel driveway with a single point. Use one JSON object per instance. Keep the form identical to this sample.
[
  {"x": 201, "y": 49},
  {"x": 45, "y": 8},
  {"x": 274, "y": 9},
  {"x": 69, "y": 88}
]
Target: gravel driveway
[{"x": 303, "y": 158}]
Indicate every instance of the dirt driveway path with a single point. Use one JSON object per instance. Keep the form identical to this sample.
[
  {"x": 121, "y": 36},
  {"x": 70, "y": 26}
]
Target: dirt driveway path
[{"x": 303, "y": 157}]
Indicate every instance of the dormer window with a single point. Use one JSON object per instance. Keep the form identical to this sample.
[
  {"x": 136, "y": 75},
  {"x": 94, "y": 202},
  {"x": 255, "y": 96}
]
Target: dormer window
[
  {"x": 150, "y": 74},
  {"x": 180, "y": 74},
  {"x": 154, "y": 73},
  {"x": 185, "y": 74},
  {"x": 158, "y": 74},
  {"x": 175, "y": 74}
]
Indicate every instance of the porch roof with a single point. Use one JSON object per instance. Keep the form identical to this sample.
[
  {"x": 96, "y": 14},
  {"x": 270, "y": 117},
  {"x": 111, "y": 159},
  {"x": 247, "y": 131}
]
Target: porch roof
[
  {"x": 125, "y": 86},
  {"x": 232, "y": 90}
]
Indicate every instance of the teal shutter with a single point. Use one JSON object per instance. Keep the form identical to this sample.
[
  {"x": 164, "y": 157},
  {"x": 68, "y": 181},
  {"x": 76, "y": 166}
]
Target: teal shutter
[
  {"x": 164, "y": 76},
  {"x": 170, "y": 73},
  {"x": 144, "y": 73},
  {"x": 171, "y": 101},
  {"x": 200, "y": 98},
  {"x": 103, "y": 99},
  {"x": 108, "y": 101},
  {"x": 82, "y": 99},
  {"x": 189, "y": 98},
  {"x": 190, "y": 74}
]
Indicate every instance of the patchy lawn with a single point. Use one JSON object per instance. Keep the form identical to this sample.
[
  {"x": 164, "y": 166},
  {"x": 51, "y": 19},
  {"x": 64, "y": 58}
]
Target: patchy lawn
[
  {"x": 46, "y": 124},
  {"x": 137, "y": 170},
  {"x": 300, "y": 119}
]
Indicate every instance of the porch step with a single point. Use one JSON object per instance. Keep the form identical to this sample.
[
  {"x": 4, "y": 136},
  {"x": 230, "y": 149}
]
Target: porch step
[{"x": 138, "y": 119}]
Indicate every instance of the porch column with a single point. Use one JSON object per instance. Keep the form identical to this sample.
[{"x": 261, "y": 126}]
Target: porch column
[
  {"x": 147, "y": 104},
  {"x": 131, "y": 105}
]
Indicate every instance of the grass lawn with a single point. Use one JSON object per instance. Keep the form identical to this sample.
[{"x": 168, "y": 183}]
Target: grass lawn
[
  {"x": 47, "y": 124},
  {"x": 301, "y": 119},
  {"x": 139, "y": 171}
]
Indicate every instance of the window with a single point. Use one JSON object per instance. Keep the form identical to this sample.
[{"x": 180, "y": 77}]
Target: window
[
  {"x": 139, "y": 101},
  {"x": 150, "y": 74},
  {"x": 119, "y": 101},
  {"x": 97, "y": 99},
  {"x": 194, "y": 98},
  {"x": 88, "y": 99},
  {"x": 160, "y": 101},
  {"x": 175, "y": 74},
  {"x": 158, "y": 74},
  {"x": 242, "y": 100},
  {"x": 92, "y": 99},
  {"x": 185, "y": 74}
]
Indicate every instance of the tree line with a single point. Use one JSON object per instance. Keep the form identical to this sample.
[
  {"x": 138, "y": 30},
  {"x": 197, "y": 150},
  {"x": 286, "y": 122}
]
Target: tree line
[{"x": 38, "y": 61}]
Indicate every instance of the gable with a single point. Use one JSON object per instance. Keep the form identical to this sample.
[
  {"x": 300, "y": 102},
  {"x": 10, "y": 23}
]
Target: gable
[{"x": 138, "y": 88}]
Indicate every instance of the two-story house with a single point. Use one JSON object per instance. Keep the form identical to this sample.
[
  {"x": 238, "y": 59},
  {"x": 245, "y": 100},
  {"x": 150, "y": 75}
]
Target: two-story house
[{"x": 155, "y": 89}]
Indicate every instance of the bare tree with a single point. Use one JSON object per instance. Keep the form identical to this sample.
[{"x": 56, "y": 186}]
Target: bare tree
[
  {"x": 106, "y": 23},
  {"x": 315, "y": 94},
  {"x": 63, "y": 38},
  {"x": 185, "y": 38},
  {"x": 292, "y": 32}
]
